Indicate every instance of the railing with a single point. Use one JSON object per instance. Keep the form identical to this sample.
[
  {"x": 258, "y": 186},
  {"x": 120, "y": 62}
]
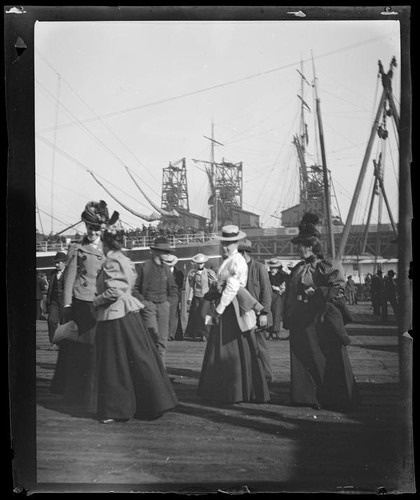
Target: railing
[{"x": 141, "y": 242}]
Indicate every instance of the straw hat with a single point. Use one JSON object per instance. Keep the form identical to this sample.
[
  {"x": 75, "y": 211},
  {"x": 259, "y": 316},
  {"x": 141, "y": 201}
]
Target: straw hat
[
  {"x": 200, "y": 258},
  {"x": 274, "y": 263},
  {"x": 170, "y": 259},
  {"x": 231, "y": 233}
]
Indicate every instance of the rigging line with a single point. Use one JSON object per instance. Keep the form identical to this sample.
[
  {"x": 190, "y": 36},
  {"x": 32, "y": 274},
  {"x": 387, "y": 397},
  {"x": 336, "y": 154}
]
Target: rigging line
[
  {"x": 50, "y": 215},
  {"x": 225, "y": 84},
  {"x": 363, "y": 96},
  {"x": 292, "y": 126},
  {"x": 161, "y": 211},
  {"x": 325, "y": 91},
  {"x": 343, "y": 136},
  {"x": 393, "y": 166},
  {"x": 95, "y": 114},
  {"x": 89, "y": 132},
  {"x": 375, "y": 99},
  {"x": 239, "y": 133},
  {"x": 53, "y": 153},
  {"x": 150, "y": 218},
  {"x": 39, "y": 216},
  {"x": 84, "y": 167}
]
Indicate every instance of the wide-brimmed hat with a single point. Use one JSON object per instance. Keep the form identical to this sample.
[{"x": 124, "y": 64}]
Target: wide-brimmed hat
[
  {"x": 245, "y": 246},
  {"x": 170, "y": 259},
  {"x": 200, "y": 258},
  {"x": 308, "y": 232},
  {"x": 60, "y": 257},
  {"x": 96, "y": 213},
  {"x": 391, "y": 273},
  {"x": 274, "y": 263},
  {"x": 161, "y": 243},
  {"x": 231, "y": 233}
]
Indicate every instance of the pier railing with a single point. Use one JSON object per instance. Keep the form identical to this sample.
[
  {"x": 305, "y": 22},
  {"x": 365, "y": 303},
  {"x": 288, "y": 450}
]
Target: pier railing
[{"x": 130, "y": 242}]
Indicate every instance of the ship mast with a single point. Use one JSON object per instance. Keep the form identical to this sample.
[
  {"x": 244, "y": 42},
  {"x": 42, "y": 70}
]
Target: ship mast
[
  {"x": 327, "y": 198},
  {"x": 314, "y": 179}
]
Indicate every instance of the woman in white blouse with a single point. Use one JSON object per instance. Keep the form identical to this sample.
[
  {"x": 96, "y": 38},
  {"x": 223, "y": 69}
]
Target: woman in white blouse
[{"x": 231, "y": 371}]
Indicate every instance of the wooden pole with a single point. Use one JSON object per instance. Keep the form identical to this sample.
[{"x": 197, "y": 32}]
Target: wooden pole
[
  {"x": 362, "y": 173},
  {"x": 324, "y": 171},
  {"x": 404, "y": 284}
]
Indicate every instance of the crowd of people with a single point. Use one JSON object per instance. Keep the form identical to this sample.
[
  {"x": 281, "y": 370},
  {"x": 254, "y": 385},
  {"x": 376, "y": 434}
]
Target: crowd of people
[{"x": 112, "y": 322}]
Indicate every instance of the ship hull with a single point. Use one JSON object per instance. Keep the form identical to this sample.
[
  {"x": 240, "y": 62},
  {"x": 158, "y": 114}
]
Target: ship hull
[{"x": 45, "y": 260}]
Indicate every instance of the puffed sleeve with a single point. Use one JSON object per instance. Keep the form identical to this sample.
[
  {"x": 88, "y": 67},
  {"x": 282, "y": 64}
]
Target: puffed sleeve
[
  {"x": 70, "y": 273},
  {"x": 115, "y": 283},
  {"x": 237, "y": 277}
]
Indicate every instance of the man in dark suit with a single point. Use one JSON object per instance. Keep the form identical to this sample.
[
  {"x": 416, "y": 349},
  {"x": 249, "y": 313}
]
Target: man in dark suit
[
  {"x": 156, "y": 289},
  {"x": 175, "y": 326},
  {"x": 258, "y": 285},
  {"x": 55, "y": 295}
]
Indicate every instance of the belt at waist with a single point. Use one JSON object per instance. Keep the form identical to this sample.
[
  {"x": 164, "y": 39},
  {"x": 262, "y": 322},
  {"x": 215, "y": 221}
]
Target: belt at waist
[{"x": 158, "y": 301}]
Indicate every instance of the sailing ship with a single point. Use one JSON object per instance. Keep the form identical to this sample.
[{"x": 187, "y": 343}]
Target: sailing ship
[{"x": 225, "y": 200}]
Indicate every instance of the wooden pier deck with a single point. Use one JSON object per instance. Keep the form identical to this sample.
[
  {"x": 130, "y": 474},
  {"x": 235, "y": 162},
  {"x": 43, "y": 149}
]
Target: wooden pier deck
[{"x": 202, "y": 448}]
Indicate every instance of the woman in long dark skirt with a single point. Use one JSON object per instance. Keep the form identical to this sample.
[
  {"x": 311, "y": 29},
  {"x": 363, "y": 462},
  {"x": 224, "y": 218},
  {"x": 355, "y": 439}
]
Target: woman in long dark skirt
[
  {"x": 75, "y": 373},
  {"x": 315, "y": 314},
  {"x": 132, "y": 380},
  {"x": 232, "y": 371}
]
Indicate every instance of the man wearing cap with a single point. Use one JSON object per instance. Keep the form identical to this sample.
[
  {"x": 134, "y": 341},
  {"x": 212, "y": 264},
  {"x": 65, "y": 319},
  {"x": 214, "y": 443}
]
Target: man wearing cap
[
  {"x": 175, "y": 326},
  {"x": 258, "y": 285},
  {"x": 277, "y": 279},
  {"x": 55, "y": 296},
  {"x": 199, "y": 281},
  {"x": 156, "y": 288}
]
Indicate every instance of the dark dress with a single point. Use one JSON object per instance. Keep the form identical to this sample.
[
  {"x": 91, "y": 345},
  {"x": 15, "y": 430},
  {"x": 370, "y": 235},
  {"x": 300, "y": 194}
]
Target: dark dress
[
  {"x": 232, "y": 372},
  {"x": 132, "y": 380},
  {"x": 321, "y": 372}
]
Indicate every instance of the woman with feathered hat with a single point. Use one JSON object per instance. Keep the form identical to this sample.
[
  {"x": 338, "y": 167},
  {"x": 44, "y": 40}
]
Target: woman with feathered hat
[
  {"x": 75, "y": 370},
  {"x": 132, "y": 380},
  {"x": 232, "y": 371},
  {"x": 321, "y": 373}
]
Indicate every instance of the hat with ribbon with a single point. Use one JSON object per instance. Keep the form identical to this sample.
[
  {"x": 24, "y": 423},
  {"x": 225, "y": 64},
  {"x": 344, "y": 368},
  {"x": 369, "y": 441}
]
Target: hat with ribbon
[
  {"x": 274, "y": 263},
  {"x": 96, "y": 213},
  {"x": 60, "y": 257},
  {"x": 245, "y": 246},
  {"x": 161, "y": 243},
  {"x": 200, "y": 258},
  {"x": 308, "y": 232},
  {"x": 231, "y": 233},
  {"x": 170, "y": 259}
]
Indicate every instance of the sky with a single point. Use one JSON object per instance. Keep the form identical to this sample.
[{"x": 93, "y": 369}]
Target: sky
[{"x": 111, "y": 95}]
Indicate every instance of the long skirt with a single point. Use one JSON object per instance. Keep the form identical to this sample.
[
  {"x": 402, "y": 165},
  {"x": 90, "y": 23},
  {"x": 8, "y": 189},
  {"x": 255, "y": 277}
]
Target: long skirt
[
  {"x": 276, "y": 311},
  {"x": 196, "y": 327},
  {"x": 132, "y": 380},
  {"x": 321, "y": 373},
  {"x": 232, "y": 371},
  {"x": 75, "y": 372}
]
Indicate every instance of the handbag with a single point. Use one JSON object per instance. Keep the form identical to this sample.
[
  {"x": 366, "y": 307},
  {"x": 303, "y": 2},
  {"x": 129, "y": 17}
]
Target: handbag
[{"x": 69, "y": 331}]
